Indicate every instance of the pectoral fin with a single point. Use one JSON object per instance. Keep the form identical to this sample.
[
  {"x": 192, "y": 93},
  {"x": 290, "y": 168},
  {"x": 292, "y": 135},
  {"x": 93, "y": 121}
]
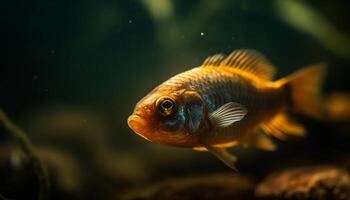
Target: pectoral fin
[
  {"x": 228, "y": 114},
  {"x": 223, "y": 155}
]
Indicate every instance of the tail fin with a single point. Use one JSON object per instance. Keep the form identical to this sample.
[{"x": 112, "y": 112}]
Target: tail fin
[{"x": 305, "y": 90}]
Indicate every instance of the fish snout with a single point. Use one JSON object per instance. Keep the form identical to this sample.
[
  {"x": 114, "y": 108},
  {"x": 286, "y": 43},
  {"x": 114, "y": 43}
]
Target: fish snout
[{"x": 138, "y": 125}]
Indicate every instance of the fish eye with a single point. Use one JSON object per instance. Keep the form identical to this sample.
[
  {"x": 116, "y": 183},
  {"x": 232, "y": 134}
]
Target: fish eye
[{"x": 165, "y": 105}]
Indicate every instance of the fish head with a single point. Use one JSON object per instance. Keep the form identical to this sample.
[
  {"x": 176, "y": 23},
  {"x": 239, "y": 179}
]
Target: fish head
[{"x": 168, "y": 117}]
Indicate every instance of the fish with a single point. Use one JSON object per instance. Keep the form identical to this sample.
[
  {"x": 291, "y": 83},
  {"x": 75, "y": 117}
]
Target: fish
[{"x": 229, "y": 101}]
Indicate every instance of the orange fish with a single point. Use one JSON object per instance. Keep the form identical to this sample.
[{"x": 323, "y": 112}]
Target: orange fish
[{"x": 228, "y": 101}]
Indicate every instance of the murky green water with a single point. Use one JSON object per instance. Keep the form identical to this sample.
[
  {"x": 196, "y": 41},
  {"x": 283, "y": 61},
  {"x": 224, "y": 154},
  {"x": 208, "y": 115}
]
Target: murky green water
[{"x": 72, "y": 71}]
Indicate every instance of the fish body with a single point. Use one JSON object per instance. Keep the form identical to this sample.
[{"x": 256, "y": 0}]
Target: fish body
[
  {"x": 227, "y": 101},
  {"x": 217, "y": 86}
]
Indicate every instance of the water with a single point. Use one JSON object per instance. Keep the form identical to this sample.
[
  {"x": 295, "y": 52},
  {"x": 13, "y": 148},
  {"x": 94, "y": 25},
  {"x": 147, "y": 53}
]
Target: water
[{"x": 72, "y": 71}]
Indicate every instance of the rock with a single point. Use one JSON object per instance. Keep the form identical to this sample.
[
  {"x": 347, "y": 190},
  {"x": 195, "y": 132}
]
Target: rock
[
  {"x": 319, "y": 182},
  {"x": 216, "y": 186}
]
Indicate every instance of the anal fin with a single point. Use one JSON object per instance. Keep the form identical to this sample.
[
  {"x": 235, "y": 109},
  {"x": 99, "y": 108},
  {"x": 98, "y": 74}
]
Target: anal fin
[
  {"x": 223, "y": 155},
  {"x": 259, "y": 140},
  {"x": 281, "y": 127}
]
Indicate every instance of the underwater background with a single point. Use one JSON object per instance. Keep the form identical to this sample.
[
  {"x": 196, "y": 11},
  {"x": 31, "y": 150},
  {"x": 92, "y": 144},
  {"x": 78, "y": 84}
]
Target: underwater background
[{"x": 72, "y": 72}]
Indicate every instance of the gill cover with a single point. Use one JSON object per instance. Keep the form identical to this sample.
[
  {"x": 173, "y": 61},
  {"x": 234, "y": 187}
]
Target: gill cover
[{"x": 194, "y": 109}]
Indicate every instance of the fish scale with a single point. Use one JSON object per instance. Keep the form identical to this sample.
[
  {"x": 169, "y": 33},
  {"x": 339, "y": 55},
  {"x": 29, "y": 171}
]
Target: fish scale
[
  {"x": 220, "y": 87},
  {"x": 217, "y": 87}
]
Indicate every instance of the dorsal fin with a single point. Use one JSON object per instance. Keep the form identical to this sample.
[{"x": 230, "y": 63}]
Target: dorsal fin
[
  {"x": 246, "y": 60},
  {"x": 214, "y": 60}
]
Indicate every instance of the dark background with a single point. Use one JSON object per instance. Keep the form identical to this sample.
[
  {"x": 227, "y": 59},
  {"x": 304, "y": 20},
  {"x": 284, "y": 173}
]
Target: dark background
[{"x": 88, "y": 62}]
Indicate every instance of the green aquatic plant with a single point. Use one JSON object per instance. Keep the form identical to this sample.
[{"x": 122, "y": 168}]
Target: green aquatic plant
[
  {"x": 308, "y": 20},
  {"x": 24, "y": 143}
]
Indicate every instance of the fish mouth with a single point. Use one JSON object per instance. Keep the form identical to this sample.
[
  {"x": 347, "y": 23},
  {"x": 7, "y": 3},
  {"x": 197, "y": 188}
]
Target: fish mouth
[{"x": 138, "y": 125}]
